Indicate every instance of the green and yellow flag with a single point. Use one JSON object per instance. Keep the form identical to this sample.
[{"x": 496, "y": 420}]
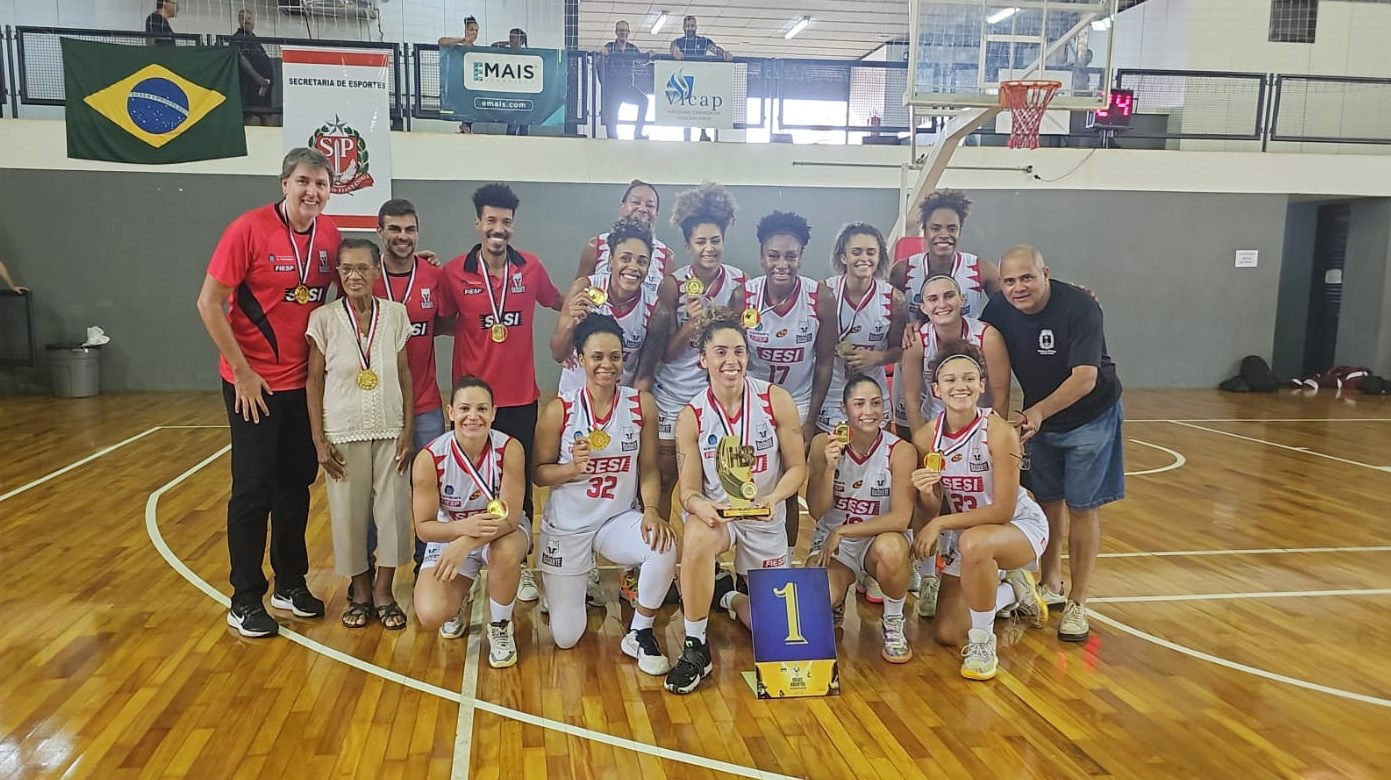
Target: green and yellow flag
[{"x": 152, "y": 104}]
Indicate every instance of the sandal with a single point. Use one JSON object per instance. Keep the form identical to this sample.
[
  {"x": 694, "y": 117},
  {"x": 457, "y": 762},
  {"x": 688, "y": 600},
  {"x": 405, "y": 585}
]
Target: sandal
[
  {"x": 357, "y": 611},
  {"x": 393, "y": 619}
]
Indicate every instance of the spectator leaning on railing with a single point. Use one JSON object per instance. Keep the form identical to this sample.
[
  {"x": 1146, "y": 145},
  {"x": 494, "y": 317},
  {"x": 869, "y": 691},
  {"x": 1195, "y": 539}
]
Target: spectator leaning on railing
[
  {"x": 470, "y": 38},
  {"x": 620, "y": 86},
  {"x": 694, "y": 47},
  {"x": 516, "y": 39},
  {"x": 257, "y": 73},
  {"x": 157, "y": 27}
]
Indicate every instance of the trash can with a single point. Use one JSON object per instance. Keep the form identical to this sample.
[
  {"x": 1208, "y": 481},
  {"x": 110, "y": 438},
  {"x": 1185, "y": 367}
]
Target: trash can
[{"x": 76, "y": 370}]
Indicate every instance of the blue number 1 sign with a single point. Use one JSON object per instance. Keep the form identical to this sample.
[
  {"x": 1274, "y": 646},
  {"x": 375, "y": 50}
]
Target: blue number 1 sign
[{"x": 794, "y": 640}]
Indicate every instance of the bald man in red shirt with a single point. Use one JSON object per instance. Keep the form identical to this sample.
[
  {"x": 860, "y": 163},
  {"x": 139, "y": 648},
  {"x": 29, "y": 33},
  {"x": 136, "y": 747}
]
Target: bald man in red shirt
[{"x": 271, "y": 269}]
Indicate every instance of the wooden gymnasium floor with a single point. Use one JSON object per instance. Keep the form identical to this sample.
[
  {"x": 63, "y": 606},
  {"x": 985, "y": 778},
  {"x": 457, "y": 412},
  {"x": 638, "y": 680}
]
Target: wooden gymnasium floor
[{"x": 1241, "y": 631}]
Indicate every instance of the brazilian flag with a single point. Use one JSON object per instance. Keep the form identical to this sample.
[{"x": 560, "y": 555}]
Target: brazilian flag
[{"x": 152, "y": 104}]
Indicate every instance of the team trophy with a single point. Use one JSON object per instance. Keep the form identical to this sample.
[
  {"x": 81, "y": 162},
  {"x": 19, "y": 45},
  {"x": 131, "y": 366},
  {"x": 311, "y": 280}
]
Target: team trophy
[{"x": 734, "y": 464}]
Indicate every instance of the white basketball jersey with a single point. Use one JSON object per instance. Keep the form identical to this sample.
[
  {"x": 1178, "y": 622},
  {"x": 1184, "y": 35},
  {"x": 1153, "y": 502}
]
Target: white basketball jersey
[
  {"x": 661, "y": 261},
  {"x": 968, "y": 477},
  {"x": 610, "y": 482},
  {"x": 861, "y": 486},
  {"x": 965, "y": 269},
  {"x": 633, "y": 316},
  {"x": 865, "y": 324},
  {"x": 755, "y": 424},
  {"x": 680, "y": 380},
  {"x": 460, "y": 494},
  {"x": 782, "y": 349},
  {"x": 973, "y": 333}
]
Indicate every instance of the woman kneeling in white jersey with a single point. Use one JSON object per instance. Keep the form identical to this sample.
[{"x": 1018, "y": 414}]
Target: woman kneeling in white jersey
[
  {"x": 751, "y": 430},
  {"x": 467, "y": 488},
  {"x": 596, "y": 449},
  {"x": 862, "y": 493},
  {"x": 972, "y": 457}
]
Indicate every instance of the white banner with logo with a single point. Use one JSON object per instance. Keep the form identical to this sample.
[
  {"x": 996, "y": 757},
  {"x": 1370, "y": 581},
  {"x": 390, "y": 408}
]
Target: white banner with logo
[
  {"x": 694, "y": 94},
  {"x": 338, "y": 101}
]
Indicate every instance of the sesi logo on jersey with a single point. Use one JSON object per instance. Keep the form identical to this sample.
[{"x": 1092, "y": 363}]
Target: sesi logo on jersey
[
  {"x": 785, "y": 355},
  {"x": 512, "y": 319},
  {"x": 316, "y": 295},
  {"x": 963, "y": 484},
  {"x": 857, "y": 506},
  {"x": 419, "y": 329},
  {"x": 617, "y": 464}
]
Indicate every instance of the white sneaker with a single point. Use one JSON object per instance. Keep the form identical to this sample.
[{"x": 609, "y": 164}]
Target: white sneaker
[
  {"x": 872, "y": 593},
  {"x": 1028, "y": 602},
  {"x": 915, "y": 580},
  {"x": 927, "y": 597},
  {"x": 453, "y": 628},
  {"x": 502, "y": 651},
  {"x": 979, "y": 661},
  {"x": 1074, "y": 627},
  {"x": 526, "y": 588},
  {"x": 643, "y": 646},
  {"x": 594, "y": 592},
  {"x": 896, "y": 649},
  {"x": 1051, "y": 597}
]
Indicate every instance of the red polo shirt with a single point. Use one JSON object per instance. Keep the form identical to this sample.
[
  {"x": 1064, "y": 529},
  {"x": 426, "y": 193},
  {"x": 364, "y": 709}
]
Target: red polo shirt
[
  {"x": 256, "y": 259},
  {"x": 421, "y": 291},
  {"x": 509, "y": 367}
]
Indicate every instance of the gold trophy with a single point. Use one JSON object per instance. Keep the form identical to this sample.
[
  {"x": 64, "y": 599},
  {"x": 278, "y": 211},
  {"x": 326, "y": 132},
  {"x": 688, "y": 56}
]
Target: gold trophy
[{"x": 734, "y": 464}]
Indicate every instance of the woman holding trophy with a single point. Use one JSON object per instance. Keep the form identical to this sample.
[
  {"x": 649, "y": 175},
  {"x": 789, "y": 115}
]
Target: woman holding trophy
[
  {"x": 971, "y": 457},
  {"x": 739, "y": 457}
]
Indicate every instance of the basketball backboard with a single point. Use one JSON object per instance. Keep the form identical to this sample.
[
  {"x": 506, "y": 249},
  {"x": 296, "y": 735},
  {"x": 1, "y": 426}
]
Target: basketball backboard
[{"x": 960, "y": 50}]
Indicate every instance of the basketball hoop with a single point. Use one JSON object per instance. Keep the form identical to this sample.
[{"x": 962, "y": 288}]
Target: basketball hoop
[{"x": 1026, "y": 101}]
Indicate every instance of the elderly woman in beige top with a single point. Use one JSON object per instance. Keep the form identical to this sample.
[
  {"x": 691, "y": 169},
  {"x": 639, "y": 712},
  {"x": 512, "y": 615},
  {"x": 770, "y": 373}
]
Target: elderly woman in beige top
[{"x": 359, "y": 396}]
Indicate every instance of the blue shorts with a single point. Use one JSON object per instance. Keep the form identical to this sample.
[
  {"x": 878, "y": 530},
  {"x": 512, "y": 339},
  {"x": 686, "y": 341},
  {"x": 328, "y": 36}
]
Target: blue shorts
[
  {"x": 428, "y": 427},
  {"x": 1084, "y": 466}
]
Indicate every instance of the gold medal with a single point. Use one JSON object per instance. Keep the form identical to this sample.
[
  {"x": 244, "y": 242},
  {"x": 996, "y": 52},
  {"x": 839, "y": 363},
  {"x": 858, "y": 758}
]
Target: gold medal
[
  {"x": 845, "y": 348},
  {"x": 934, "y": 461},
  {"x": 693, "y": 286},
  {"x": 841, "y": 433},
  {"x": 498, "y": 333},
  {"x": 751, "y": 318},
  {"x": 597, "y": 296},
  {"x": 301, "y": 295},
  {"x": 598, "y": 440},
  {"x": 497, "y": 507},
  {"x": 367, "y": 379}
]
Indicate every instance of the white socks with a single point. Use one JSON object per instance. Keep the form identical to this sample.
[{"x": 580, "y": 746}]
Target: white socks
[
  {"x": 983, "y": 621},
  {"x": 500, "y": 612},
  {"x": 893, "y": 607},
  {"x": 641, "y": 621}
]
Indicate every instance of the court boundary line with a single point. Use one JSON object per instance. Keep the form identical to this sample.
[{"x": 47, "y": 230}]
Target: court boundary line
[
  {"x": 1270, "y": 594},
  {"x": 468, "y": 686},
  {"x": 1179, "y": 461},
  {"x": 1248, "y": 551},
  {"x": 1260, "y": 419},
  {"x": 157, "y": 539},
  {"x": 1304, "y": 450},
  {"x": 1235, "y": 665}
]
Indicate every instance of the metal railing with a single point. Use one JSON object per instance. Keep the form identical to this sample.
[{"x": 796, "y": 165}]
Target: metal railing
[
  {"x": 1199, "y": 104},
  {"x": 274, "y": 45},
  {"x": 39, "y": 55},
  {"x": 1331, "y": 109}
]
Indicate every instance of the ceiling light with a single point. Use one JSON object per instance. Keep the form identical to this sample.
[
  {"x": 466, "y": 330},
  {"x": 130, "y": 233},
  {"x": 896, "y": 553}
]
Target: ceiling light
[
  {"x": 1001, "y": 15},
  {"x": 657, "y": 25},
  {"x": 798, "y": 27}
]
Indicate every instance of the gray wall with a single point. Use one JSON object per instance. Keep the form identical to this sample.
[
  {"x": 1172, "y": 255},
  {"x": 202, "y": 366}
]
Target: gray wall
[
  {"x": 1292, "y": 317},
  {"x": 1364, "y": 321},
  {"x": 128, "y": 252}
]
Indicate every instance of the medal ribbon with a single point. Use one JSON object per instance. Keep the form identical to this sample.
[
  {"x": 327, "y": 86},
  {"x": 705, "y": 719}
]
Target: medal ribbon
[
  {"x": 591, "y": 420},
  {"x": 410, "y": 283},
  {"x": 854, "y": 310},
  {"x": 767, "y": 307},
  {"x": 364, "y": 356},
  {"x": 714, "y": 286},
  {"x": 301, "y": 263},
  {"x": 744, "y": 413},
  {"x": 490, "y": 464},
  {"x": 493, "y": 304}
]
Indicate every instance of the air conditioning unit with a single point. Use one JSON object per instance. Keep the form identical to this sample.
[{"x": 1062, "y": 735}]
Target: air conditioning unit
[{"x": 333, "y": 9}]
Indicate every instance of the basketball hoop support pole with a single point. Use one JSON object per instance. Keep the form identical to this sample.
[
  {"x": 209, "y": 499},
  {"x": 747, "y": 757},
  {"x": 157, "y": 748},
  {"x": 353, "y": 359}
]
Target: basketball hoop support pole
[{"x": 935, "y": 163}]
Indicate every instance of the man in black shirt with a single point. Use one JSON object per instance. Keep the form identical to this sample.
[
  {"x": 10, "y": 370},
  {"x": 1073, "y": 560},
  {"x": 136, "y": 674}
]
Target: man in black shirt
[
  {"x": 157, "y": 24},
  {"x": 696, "y": 47},
  {"x": 620, "y": 57},
  {"x": 1071, "y": 416},
  {"x": 257, "y": 74}
]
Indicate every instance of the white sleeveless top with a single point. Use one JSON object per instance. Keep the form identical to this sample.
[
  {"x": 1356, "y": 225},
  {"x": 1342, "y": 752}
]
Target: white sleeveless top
[
  {"x": 866, "y": 327},
  {"x": 782, "y": 349},
  {"x": 661, "y": 261},
  {"x": 968, "y": 477},
  {"x": 861, "y": 487},
  {"x": 755, "y": 424},
  {"x": 680, "y": 380},
  {"x": 460, "y": 493},
  {"x": 965, "y": 269},
  {"x": 610, "y": 483},
  {"x": 633, "y": 317},
  {"x": 973, "y": 333}
]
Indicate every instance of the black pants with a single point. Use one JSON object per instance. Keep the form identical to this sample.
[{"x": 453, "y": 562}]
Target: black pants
[
  {"x": 273, "y": 465},
  {"x": 614, "y": 98},
  {"x": 519, "y": 422}
]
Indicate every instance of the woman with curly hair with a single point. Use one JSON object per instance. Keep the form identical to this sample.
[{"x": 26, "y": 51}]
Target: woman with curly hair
[
  {"x": 642, "y": 203},
  {"x": 703, "y": 214}
]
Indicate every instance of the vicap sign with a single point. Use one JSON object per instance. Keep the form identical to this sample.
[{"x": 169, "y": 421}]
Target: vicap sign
[{"x": 695, "y": 94}]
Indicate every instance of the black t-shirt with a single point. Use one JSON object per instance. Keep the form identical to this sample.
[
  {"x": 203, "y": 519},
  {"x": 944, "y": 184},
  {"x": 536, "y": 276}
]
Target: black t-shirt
[
  {"x": 695, "y": 46},
  {"x": 161, "y": 34},
  {"x": 1045, "y": 347},
  {"x": 254, "y": 53},
  {"x": 619, "y": 62}
]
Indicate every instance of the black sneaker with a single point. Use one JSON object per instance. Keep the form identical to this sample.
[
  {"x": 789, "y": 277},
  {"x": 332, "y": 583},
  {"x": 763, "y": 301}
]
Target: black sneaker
[
  {"x": 251, "y": 620},
  {"x": 299, "y": 601},
  {"x": 693, "y": 666},
  {"x": 724, "y": 583}
]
